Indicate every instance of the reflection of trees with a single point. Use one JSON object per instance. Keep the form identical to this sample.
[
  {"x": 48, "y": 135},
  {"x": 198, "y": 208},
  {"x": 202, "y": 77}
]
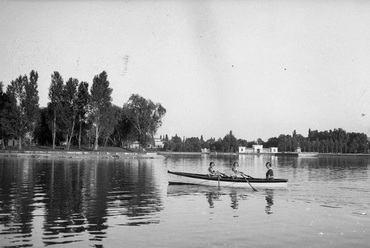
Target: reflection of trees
[
  {"x": 133, "y": 189},
  {"x": 63, "y": 200},
  {"x": 269, "y": 200},
  {"x": 95, "y": 186},
  {"x": 75, "y": 196},
  {"x": 234, "y": 201},
  {"x": 16, "y": 194}
]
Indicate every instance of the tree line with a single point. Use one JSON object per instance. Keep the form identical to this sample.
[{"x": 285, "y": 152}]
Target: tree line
[
  {"x": 75, "y": 115},
  {"x": 332, "y": 141},
  {"x": 79, "y": 116}
]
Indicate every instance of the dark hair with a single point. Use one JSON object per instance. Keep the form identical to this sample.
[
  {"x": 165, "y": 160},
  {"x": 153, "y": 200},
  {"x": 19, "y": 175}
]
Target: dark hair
[
  {"x": 211, "y": 163},
  {"x": 268, "y": 164},
  {"x": 235, "y": 163}
]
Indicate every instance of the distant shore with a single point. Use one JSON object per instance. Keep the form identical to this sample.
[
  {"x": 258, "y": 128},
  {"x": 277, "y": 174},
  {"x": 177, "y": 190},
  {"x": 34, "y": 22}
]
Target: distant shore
[
  {"x": 120, "y": 153},
  {"x": 105, "y": 153}
]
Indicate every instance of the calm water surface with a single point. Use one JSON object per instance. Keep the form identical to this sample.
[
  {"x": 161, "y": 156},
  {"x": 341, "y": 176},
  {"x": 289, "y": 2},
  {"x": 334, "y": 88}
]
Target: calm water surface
[{"x": 127, "y": 203}]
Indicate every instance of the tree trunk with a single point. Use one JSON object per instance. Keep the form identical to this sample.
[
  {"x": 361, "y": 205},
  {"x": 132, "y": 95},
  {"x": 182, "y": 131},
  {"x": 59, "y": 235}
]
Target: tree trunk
[
  {"x": 71, "y": 135},
  {"x": 79, "y": 136},
  {"x": 67, "y": 146},
  {"x": 19, "y": 143},
  {"x": 96, "y": 137},
  {"x": 54, "y": 129}
]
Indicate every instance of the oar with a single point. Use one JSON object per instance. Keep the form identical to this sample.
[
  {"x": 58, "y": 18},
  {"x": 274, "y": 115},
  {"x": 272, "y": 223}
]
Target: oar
[
  {"x": 219, "y": 175},
  {"x": 241, "y": 173},
  {"x": 245, "y": 174}
]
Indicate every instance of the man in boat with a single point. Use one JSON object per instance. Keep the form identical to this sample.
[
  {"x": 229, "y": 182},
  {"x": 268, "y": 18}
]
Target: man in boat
[{"x": 269, "y": 172}]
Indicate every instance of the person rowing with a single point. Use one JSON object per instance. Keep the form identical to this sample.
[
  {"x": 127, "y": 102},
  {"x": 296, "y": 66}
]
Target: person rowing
[
  {"x": 236, "y": 172},
  {"x": 234, "y": 169},
  {"x": 213, "y": 172}
]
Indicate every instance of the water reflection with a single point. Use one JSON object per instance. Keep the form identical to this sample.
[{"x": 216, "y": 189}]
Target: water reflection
[
  {"x": 68, "y": 197},
  {"x": 211, "y": 197},
  {"x": 92, "y": 202},
  {"x": 234, "y": 201},
  {"x": 212, "y": 194},
  {"x": 269, "y": 200}
]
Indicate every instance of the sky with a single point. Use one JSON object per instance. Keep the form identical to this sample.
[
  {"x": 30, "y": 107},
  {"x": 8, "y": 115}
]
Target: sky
[{"x": 256, "y": 68}]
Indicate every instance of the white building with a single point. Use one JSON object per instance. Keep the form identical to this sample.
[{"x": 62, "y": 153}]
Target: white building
[
  {"x": 257, "y": 149},
  {"x": 158, "y": 143},
  {"x": 12, "y": 142}
]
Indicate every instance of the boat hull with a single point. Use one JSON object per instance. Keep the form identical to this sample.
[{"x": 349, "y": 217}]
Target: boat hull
[{"x": 214, "y": 181}]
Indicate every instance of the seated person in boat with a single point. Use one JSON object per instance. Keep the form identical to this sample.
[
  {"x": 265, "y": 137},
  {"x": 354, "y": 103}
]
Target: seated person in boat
[
  {"x": 270, "y": 172},
  {"x": 212, "y": 171},
  {"x": 234, "y": 169}
]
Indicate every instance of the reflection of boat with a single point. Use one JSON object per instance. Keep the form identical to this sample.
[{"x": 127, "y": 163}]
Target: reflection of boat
[
  {"x": 212, "y": 193},
  {"x": 223, "y": 181}
]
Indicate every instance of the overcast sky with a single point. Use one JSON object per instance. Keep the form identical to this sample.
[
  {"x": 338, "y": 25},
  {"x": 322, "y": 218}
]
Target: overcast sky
[{"x": 258, "y": 68}]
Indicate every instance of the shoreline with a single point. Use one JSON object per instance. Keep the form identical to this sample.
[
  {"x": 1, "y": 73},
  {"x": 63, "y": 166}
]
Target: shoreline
[
  {"x": 80, "y": 154},
  {"x": 145, "y": 155}
]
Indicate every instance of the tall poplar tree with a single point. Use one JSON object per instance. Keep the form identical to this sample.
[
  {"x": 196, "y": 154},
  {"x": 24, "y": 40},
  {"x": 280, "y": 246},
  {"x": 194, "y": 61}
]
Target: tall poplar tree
[
  {"x": 70, "y": 108},
  {"x": 83, "y": 97},
  {"x": 100, "y": 103},
  {"x": 56, "y": 97},
  {"x": 4, "y": 100}
]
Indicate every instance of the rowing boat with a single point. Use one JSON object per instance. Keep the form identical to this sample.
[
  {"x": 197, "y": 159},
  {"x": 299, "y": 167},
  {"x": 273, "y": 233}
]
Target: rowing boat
[{"x": 224, "y": 181}]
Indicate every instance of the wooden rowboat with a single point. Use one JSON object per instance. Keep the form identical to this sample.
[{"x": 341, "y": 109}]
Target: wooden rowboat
[{"x": 224, "y": 181}]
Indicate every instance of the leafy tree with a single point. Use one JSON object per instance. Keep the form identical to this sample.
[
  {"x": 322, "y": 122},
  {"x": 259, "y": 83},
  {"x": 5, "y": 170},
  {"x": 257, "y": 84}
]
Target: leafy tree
[
  {"x": 176, "y": 144},
  {"x": 100, "y": 103},
  {"x": 230, "y": 143},
  {"x": 82, "y": 102},
  {"x": 4, "y": 100},
  {"x": 70, "y": 108},
  {"x": 145, "y": 116},
  {"x": 283, "y": 142},
  {"x": 192, "y": 144},
  {"x": 109, "y": 123},
  {"x": 219, "y": 145},
  {"x": 55, "y": 105},
  {"x": 124, "y": 130},
  {"x": 242, "y": 142},
  {"x": 22, "y": 110},
  {"x": 210, "y": 144},
  {"x": 43, "y": 133},
  {"x": 271, "y": 142}
]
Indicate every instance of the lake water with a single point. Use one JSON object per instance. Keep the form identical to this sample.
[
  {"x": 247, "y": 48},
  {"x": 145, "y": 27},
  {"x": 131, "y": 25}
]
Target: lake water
[{"x": 127, "y": 203}]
